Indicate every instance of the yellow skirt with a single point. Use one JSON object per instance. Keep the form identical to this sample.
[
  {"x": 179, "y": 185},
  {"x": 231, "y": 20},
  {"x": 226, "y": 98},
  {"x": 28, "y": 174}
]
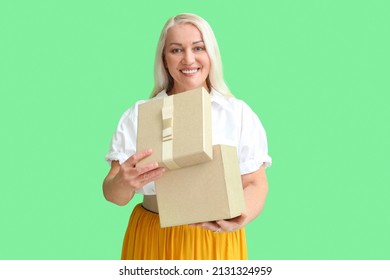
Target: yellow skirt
[{"x": 145, "y": 240}]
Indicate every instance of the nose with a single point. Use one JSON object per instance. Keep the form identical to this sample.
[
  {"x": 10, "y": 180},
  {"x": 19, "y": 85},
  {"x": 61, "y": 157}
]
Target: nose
[{"x": 188, "y": 58}]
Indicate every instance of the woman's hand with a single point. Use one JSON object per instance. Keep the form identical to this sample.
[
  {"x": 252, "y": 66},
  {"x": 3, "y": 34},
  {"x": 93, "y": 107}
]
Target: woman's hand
[
  {"x": 255, "y": 187},
  {"x": 224, "y": 225},
  {"x": 135, "y": 177},
  {"x": 124, "y": 179}
]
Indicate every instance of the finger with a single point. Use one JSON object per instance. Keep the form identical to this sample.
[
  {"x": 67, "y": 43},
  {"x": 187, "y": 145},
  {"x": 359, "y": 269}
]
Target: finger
[
  {"x": 238, "y": 219},
  {"x": 210, "y": 226},
  {"x": 140, "y": 170},
  {"x": 232, "y": 224},
  {"x": 134, "y": 159},
  {"x": 151, "y": 176},
  {"x": 227, "y": 226},
  {"x": 140, "y": 181}
]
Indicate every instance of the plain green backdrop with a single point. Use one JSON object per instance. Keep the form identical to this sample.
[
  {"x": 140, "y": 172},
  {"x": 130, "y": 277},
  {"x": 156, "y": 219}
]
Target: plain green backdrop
[{"x": 315, "y": 72}]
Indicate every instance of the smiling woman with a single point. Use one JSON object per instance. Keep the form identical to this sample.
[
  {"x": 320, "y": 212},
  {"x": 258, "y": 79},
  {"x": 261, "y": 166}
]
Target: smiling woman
[
  {"x": 187, "y": 57},
  {"x": 204, "y": 36}
]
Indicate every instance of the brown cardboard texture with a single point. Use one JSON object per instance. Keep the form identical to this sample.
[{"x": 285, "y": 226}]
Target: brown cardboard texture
[
  {"x": 204, "y": 192},
  {"x": 183, "y": 137}
]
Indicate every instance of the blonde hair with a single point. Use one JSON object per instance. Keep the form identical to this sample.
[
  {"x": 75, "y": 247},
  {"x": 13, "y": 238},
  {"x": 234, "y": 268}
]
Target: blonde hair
[{"x": 163, "y": 80}]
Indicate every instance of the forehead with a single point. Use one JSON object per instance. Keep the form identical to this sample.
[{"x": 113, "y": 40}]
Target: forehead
[{"x": 183, "y": 33}]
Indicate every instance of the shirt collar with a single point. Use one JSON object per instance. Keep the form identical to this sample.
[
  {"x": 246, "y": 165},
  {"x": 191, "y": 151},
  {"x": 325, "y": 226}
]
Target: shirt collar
[
  {"x": 161, "y": 94},
  {"x": 218, "y": 98}
]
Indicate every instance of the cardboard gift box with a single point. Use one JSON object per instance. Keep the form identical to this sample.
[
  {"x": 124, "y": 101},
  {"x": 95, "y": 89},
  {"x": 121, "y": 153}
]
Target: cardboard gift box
[
  {"x": 177, "y": 128},
  {"x": 204, "y": 192}
]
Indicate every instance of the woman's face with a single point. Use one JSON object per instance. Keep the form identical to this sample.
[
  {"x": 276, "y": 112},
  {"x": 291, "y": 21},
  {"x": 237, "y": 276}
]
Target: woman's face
[{"x": 186, "y": 58}]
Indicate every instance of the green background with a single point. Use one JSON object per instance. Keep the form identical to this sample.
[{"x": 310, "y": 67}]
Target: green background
[{"x": 316, "y": 73}]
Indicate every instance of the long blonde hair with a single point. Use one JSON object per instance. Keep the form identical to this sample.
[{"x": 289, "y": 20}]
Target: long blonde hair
[{"x": 163, "y": 80}]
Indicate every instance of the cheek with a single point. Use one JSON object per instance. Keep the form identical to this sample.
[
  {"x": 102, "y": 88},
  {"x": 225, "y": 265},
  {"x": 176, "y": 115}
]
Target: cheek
[
  {"x": 167, "y": 60},
  {"x": 206, "y": 65},
  {"x": 171, "y": 63},
  {"x": 206, "y": 62}
]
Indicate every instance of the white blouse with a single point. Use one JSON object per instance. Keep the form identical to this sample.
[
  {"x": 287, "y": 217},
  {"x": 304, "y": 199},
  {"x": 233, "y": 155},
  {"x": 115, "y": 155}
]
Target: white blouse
[{"x": 233, "y": 123}]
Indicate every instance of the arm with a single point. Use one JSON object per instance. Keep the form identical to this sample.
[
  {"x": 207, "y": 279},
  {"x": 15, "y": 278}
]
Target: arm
[
  {"x": 255, "y": 192},
  {"x": 124, "y": 179}
]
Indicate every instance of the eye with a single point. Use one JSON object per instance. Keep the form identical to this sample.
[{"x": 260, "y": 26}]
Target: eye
[
  {"x": 176, "y": 50},
  {"x": 199, "y": 49}
]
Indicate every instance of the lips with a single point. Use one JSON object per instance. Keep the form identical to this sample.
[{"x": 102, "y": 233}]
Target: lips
[{"x": 189, "y": 71}]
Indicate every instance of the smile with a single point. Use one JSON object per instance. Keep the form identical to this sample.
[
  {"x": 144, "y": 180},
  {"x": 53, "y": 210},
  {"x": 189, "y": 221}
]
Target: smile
[{"x": 189, "y": 71}]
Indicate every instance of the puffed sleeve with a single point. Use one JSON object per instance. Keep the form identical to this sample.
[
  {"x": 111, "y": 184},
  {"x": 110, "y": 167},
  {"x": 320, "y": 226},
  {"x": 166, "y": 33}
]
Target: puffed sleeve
[
  {"x": 123, "y": 143},
  {"x": 253, "y": 146}
]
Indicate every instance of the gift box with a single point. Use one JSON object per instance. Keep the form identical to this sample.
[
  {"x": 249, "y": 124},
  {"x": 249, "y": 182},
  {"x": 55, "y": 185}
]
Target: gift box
[
  {"x": 177, "y": 128},
  {"x": 204, "y": 192}
]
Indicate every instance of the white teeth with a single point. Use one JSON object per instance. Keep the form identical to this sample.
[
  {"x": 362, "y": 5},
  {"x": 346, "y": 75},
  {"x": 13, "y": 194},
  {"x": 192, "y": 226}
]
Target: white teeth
[{"x": 189, "y": 71}]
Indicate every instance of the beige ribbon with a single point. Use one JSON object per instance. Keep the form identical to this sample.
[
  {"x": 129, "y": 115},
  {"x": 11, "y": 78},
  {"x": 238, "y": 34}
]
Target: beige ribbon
[{"x": 167, "y": 133}]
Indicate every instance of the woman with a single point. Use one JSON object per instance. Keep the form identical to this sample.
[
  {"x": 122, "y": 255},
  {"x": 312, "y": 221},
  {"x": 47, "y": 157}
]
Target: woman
[{"x": 187, "y": 57}]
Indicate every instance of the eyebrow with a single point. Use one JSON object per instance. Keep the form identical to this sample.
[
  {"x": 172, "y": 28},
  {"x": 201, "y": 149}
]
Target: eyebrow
[{"x": 194, "y": 43}]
